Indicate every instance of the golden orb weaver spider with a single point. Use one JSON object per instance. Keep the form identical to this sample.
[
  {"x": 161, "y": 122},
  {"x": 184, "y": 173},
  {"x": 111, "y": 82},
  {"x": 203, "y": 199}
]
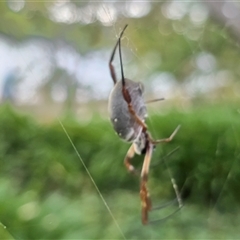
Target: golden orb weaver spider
[{"x": 128, "y": 113}]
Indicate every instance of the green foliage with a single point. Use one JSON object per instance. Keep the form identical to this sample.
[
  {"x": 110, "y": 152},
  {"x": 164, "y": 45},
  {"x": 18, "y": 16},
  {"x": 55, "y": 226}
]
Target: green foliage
[
  {"x": 207, "y": 163},
  {"x": 45, "y": 192},
  {"x": 168, "y": 40}
]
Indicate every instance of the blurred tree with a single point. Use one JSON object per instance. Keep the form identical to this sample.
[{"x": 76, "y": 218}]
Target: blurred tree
[
  {"x": 227, "y": 14},
  {"x": 171, "y": 38}
]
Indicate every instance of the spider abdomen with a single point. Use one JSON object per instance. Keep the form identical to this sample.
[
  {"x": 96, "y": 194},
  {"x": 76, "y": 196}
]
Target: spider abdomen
[{"x": 122, "y": 120}]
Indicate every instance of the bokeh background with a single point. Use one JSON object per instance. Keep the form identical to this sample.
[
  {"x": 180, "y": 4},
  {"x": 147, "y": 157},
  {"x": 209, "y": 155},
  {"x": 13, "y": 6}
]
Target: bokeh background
[{"x": 54, "y": 79}]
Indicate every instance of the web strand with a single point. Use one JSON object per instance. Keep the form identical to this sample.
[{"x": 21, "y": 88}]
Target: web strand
[{"x": 92, "y": 180}]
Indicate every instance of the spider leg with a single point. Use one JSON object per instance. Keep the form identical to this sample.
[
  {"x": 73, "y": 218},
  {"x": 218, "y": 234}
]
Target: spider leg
[
  {"x": 128, "y": 165},
  {"x": 165, "y": 204},
  {"x": 144, "y": 194},
  {"x": 165, "y": 218},
  {"x": 166, "y": 139},
  {"x": 111, "y": 67},
  {"x": 154, "y": 100},
  {"x": 164, "y": 157},
  {"x": 130, "y": 154},
  {"x": 127, "y": 161}
]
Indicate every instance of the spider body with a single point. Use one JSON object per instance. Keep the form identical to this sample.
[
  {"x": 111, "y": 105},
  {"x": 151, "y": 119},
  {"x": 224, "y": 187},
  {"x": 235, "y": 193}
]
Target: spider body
[
  {"x": 128, "y": 113},
  {"x": 123, "y": 121}
]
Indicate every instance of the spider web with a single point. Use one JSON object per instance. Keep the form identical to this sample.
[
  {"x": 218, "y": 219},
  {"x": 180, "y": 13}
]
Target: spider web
[{"x": 212, "y": 219}]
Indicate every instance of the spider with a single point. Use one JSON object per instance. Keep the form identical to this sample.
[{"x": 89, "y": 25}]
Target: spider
[{"x": 128, "y": 112}]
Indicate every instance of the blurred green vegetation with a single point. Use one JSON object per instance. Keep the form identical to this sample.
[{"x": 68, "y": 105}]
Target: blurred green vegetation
[
  {"x": 45, "y": 191},
  {"x": 146, "y": 37}
]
